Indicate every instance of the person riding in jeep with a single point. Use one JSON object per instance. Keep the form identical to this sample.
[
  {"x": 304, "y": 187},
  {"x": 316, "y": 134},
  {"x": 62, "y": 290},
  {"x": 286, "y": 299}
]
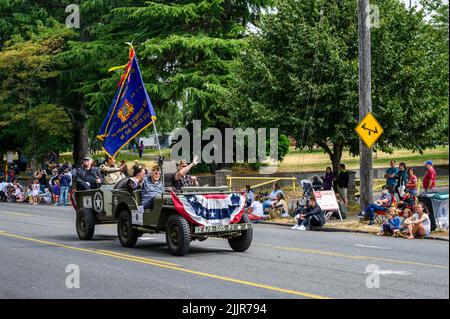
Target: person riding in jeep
[
  {"x": 111, "y": 172},
  {"x": 88, "y": 177},
  {"x": 151, "y": 188},
  {"x": 182, "y": 178},
  {"x": 134, "y": 182}
]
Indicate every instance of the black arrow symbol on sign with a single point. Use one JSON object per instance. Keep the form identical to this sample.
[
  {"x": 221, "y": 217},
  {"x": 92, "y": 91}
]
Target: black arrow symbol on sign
[{"x": 370, "y": 130}]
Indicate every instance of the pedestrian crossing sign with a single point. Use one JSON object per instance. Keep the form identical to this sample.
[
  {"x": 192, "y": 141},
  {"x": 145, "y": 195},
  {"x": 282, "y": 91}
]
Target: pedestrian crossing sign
[{"x": 369, "y": 130}]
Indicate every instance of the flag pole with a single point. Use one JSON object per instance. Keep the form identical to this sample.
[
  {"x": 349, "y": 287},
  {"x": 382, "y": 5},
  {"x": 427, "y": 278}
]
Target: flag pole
[{"x": 161, "y": 158}]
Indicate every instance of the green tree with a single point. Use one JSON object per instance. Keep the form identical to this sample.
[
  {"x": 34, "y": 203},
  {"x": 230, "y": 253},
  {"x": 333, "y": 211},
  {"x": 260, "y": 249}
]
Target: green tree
[
  {"x": 300, "y": 73},
  {"x": 30, "y": 119}
]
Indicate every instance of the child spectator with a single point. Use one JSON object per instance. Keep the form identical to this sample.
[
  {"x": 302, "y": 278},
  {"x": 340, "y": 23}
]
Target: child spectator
[
  {"x": 392, "y": 225},
  {"x": 35, "y": 187},
  {"x": 255, "y": 211},
  {"x": 56, "y": 192},
  {"x": 46, "y": 196}
]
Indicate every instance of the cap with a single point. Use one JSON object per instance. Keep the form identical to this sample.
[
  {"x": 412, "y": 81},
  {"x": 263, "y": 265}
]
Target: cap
[
  {"x": 87, "y": 157},
  {"x": 428, "y": 163}
]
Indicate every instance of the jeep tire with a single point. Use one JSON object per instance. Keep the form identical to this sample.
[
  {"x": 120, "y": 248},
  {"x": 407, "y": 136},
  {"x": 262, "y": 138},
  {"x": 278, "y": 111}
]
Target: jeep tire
[
  {"x": 85, "y": 224},
  {"x": 178, "y": 235},
  {"x": 128, "y": 236},
  {"x": 242, "y": 242}
]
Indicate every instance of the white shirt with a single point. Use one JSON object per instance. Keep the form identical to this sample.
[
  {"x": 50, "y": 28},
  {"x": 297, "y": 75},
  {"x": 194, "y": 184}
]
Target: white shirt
[
  {"x": 257, "y": 208},
  {"x": 3, "y": 186}
]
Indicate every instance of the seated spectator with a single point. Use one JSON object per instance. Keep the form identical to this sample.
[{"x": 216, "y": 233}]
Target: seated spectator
[
  {"x": 408, "y": 201},
  {"x": 382, "y": 204},
  {"x": 18, "y": 193},
  {"x": 255, "y": 211},
  {"x": 279, "y": 207},
  {"x": 111, "y": 172},
  {"x": 151, "y": 188},
  {"x": 420, "y": 224},
  {"x": 249, "y": 194},
  {"x": 46, "y": 196},
  {"x": 342, "y": 208},
  {"x": 272, "y": 196},
  {"x": 407, "y": 218},
  {"x": 391, "y": 226},
  {"x": 88, "y": 177},
  {"x": 3, "y": 190},
  {"x": 311, "y": 216}
]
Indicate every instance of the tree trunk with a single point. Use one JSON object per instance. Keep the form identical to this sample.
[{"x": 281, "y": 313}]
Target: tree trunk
[
  {"x": 337, "y": 156},
  {"x": 80, "y": 136}
]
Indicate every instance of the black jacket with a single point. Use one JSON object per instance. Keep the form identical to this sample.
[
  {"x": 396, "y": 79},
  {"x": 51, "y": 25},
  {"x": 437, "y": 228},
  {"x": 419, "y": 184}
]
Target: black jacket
[
  {"x": 81, "y": 174},
  {"x": 315, "y": 211},
  {"x": 343, "y": 179}
]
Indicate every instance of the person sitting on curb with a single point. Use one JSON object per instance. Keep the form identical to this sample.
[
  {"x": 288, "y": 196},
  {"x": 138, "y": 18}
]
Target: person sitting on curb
[
  {"x": 380, "y": 205},
  {"x": 279, "y": 207},
  {"x": 255, "y": 212},
  {"x": 407, "y": 218},
  {"x": 250, "y": 196},
  {"x": 272, "y": 196},
  {"x": 151, "y": 188},
  {"x": 408, "y": 201},
  {"x": 312, "y": 216},
  {"x": 420, "y": 225},
  {"x": 392, "y": 225},
  {"x": 182, "y": 178},
  {"x": 111, "y": 172}
]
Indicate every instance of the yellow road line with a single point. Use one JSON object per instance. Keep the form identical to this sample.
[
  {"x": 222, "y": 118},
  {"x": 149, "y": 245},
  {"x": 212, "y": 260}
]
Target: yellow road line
[
  {"x": 137, "y": 257},
  {"x": 15, "y": 214},
  {"x": 161, "y": 265},
  {"x": 334, "y": 254}
]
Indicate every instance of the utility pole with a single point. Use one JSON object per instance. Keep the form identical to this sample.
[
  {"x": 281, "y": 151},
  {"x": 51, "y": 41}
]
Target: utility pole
[{"x": 365, "y": 100}]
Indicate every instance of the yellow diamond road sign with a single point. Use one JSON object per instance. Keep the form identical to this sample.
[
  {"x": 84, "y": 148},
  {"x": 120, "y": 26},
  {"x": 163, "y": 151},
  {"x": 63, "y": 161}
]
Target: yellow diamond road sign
[{"x": 369, "y": 130}]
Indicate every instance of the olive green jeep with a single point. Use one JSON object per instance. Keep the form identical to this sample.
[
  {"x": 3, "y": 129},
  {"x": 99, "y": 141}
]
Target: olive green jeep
[{"x": 109, "y": 205}]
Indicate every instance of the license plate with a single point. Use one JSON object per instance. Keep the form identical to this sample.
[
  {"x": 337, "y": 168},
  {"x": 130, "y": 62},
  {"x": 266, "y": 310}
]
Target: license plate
[{"x": 221, "y": 228}]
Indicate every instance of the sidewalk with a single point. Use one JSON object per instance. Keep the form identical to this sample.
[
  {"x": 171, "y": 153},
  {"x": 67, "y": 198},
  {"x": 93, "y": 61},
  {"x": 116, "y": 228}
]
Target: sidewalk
[{"x": 351, "y": 224}]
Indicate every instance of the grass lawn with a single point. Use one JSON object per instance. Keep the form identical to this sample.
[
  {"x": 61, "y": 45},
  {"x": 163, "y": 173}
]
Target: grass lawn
[
  {"x": 301, "y": 160},
  {"x": 297, "y": 160}
]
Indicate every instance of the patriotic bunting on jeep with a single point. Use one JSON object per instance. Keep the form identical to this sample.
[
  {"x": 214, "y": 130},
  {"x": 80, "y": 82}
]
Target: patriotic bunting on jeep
[{"x": 210, "y": 209}]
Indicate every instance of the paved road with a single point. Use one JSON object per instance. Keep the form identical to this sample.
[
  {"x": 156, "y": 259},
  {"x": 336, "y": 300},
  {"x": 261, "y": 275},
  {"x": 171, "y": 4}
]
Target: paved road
[{"x": 38, "y": 243}]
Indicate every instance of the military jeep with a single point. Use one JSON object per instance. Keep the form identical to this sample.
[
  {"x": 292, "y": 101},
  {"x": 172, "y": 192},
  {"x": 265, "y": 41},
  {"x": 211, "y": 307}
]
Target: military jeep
[{"x": 108, "y": 205}]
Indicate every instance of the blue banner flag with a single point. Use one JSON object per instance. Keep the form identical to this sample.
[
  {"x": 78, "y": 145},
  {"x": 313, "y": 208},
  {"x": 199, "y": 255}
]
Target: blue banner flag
[{"x": 130, "y": 113}]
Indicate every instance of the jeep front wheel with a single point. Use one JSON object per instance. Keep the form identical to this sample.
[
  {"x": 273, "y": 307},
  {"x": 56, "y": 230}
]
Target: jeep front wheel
[
  {"x": 85, "y": 224},
  {"x": 242, "y": 242},
  {"x": 128, "y": 236},
  {"x": 178, "y": 235}
]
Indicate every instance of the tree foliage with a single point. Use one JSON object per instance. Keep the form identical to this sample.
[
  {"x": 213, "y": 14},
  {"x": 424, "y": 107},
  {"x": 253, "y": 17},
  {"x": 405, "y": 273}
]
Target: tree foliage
[{"x": 300, "y": 73}]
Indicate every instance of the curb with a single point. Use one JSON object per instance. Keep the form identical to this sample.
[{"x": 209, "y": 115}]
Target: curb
[{"x": 343, "y": 230}]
